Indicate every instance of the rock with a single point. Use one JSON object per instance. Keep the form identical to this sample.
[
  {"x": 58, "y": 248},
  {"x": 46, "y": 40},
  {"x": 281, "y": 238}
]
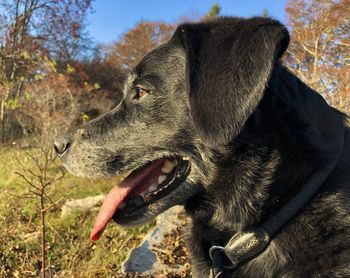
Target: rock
[
  {"x": 88, "y": 203},
  {"x": 143, "y": 259}
]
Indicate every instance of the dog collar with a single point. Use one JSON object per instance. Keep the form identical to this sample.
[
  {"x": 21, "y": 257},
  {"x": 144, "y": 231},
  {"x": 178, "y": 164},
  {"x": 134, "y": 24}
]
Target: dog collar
[{"x": 246, "y": 245}]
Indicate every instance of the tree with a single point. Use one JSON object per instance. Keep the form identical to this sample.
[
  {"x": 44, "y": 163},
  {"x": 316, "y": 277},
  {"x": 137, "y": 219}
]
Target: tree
[
  {"x": 320, "y": 47},
  {"x": 214, "y": 11},
  {"x": 29, "y": 30},
  {"x": 39, "y": 179},
  {"x": 137, "y": 42},
  {"x": 265, "y": 13},
  {"x": 100, "y": 71},
  {"x": 51, "y": 98},
  {"x": 126, "y": 52},
  {"x": 63, "y": 28}
]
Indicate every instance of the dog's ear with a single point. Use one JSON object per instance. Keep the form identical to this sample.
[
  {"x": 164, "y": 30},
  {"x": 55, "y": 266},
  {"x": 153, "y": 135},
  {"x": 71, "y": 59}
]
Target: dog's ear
[{"x": 229, "y": 62}]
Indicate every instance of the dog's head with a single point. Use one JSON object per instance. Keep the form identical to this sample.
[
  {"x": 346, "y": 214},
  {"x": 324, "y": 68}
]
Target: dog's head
[{"x": 182, "y": 102}]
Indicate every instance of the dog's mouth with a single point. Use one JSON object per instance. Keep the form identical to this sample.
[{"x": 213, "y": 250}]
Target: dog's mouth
[{"x": 144, "y": 186}]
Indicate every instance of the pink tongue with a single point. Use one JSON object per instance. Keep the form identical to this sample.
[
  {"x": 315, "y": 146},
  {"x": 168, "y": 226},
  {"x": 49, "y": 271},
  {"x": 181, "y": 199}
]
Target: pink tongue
[{"x": 116, "y": 196}]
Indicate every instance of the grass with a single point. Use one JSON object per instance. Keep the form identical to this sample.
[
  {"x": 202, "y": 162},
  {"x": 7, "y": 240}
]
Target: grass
[{"x": 70, "y": 253}]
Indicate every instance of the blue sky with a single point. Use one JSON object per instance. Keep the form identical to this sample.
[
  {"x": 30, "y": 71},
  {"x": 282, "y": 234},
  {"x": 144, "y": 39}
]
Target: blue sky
[{"x": 113, "y": 17}]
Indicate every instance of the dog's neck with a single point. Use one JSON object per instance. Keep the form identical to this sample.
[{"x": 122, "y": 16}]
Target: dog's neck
[
  {"x": 291, "y": 135},
  {"x": 258, "y": 173},
  {"x": 252, "y": 181}
]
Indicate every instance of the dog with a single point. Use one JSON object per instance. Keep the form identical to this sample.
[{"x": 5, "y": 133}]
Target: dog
[{"x": 213, "y": 121}]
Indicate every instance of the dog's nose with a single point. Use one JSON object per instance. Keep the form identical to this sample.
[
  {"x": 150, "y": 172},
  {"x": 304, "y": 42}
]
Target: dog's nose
[{"x": 61, "y": 144}]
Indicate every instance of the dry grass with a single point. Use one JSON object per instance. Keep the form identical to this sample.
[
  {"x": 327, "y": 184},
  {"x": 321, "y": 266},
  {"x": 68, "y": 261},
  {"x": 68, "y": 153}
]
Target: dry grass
[{"x": 70, "y": 253}]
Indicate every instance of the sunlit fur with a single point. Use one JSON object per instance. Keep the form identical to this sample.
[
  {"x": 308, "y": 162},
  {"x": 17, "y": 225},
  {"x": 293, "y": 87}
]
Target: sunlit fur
[{"x": 254, "y": 134}]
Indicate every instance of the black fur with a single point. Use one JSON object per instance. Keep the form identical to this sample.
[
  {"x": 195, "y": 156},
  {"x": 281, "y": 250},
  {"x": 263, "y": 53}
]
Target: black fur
[
  {"x": 254, "y": 134},
  {"x": 228, "y": 65}
]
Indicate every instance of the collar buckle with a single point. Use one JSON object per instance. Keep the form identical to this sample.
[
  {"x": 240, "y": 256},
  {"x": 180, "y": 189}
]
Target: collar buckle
[
  {"x": 245, "y": 245},
  {"x": 241, "y": 247}
]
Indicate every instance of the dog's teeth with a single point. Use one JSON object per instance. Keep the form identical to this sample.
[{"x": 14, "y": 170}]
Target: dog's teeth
[
  {"x": 152, "y": 187},
  {"x": 168, "y": 166},
  {"x": 161, "y": 179},
  {"x": 122, "y": 205},
  {"x": 185, "y": 158}
]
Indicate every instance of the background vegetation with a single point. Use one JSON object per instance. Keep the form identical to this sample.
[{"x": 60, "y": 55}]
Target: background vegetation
[{"x": 51, "y": 79}]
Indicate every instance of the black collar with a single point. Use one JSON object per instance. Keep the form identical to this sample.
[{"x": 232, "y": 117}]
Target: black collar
[{"x": 246, "y": 245}]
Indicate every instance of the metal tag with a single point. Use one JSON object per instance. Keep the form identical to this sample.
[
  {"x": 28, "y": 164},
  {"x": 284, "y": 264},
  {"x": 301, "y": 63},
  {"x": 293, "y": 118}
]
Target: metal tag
[{"x": 243, "y": 246}]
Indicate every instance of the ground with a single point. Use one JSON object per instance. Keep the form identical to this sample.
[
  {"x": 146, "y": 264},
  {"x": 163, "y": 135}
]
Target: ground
[{"x": 70, "y": 253}]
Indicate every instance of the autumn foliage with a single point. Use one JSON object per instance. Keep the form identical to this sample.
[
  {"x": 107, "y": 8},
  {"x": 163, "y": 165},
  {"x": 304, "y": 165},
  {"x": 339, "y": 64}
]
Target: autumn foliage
[
  {"x": 31, "y": 30},
  {"x": 43, "y": 72},
  {"x": 135, "y": 43},
  {"x": 320, "y": 47}
]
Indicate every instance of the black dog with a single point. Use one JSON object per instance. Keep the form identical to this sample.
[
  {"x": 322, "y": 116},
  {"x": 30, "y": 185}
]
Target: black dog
[{"x": 213, "y": 121}]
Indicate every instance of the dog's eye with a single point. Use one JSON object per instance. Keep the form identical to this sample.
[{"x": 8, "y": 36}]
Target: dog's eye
[{"x": 140, "y": 93}]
